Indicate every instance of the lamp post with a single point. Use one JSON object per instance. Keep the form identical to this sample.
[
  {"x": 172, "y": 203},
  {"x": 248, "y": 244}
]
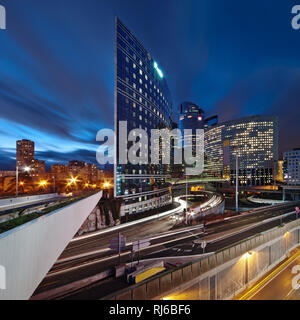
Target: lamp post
[
  {"x": 54, "y": 180},
  {"x": 26, "y": 169},
  {"x": 186, "y": 191},
  {"x": 17, "y": 180},
  {"x": 237, "y": 183}
]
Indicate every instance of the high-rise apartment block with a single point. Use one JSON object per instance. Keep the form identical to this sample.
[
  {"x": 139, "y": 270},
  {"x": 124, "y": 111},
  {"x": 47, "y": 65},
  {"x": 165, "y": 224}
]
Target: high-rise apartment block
[{"x": 25, "y": 153}]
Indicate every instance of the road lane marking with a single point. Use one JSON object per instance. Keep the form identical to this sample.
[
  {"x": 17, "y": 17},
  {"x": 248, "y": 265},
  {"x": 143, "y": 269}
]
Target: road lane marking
[{"x": 252, "y": 292}]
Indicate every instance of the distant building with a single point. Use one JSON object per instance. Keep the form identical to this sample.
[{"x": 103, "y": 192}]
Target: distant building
[
  {"x": 91, "y": 173},
  {"x": 37, "y": 169},
  {"x": 255, "y": 139},
  {"x": 7, "y": 174},
  {"x": 191, "y": 118},
  {"x": 75, "y": 167},
  {"x": 292, "y": 167},
  {"x": 59, "y": 171},
  {"x": 25, "y": 153},
  {"x": 280, "y": 171}
]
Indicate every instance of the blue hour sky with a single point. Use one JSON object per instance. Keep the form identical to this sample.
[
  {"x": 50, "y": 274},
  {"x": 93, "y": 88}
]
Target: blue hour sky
[{"x": 233, "y": 58}]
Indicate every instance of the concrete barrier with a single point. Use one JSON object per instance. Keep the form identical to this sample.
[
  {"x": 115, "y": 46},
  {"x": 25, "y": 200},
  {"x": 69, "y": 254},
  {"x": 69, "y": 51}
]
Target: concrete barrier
[
  {"x": 24, "y": 200},
  {"x": 29, "y": 251}
]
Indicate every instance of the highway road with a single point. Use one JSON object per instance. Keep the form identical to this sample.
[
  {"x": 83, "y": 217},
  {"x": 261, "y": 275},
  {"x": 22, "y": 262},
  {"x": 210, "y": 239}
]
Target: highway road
[
  {"x": 81, "y": 260},
  {"x": 277, "y": 284}
]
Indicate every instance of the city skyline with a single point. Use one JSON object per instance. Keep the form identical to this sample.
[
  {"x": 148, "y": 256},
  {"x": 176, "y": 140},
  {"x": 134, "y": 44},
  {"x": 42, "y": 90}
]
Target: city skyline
[
  {"x": 242, "y": 71},
  {"x": 149, "y": 151}
]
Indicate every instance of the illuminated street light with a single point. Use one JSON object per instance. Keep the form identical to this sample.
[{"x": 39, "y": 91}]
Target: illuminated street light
[
  {"x": 72, "y": 181},
  {"x": 43, "y": 183},
  {"x": 26, "y": 169},
  {"x": 106, "y": 185}
]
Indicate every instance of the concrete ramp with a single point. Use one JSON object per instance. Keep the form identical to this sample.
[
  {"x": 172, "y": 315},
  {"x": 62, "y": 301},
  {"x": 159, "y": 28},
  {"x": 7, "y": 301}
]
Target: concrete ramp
[{"x": 28, "y": 252}]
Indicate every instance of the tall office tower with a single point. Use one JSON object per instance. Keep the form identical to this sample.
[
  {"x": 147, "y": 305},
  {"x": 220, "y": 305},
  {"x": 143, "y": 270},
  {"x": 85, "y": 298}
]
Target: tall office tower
[
  {"x": 292, "y": 167},
  {"x": 254, "y": 139},
  {"x": 142, "y": 98},
  {"x": 25, "y": 153},
  {"x": 191, "y": 117}
]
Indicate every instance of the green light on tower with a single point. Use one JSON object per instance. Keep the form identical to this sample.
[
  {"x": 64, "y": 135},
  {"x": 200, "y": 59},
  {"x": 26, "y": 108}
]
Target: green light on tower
[{"x": 160, "y": 73}]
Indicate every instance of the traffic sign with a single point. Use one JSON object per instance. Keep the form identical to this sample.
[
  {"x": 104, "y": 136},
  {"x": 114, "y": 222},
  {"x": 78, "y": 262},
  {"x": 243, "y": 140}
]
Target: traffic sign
[
  {"x": 203, "y": 244},
  {"x": 118, "y": 244},
  {"x": 140, "y": 244}
]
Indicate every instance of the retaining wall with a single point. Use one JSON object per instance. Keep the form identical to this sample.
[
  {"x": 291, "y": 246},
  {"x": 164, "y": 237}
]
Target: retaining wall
[{"x": 223, "y": 274}]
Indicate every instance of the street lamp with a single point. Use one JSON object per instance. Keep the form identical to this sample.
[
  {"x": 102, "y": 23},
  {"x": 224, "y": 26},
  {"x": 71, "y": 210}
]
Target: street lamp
[
  {"x": 106, "y": 185},
  {"x": 73, "y": 180},
  {"x": 43, "y": 183},
  {"x": 26, "y": 169}
]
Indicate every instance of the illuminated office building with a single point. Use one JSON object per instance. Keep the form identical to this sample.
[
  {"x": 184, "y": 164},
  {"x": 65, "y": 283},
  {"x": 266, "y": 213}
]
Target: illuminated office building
[
  {"x": 142, "y": 98},
  {"x": 255, "y": 139},
  {"x": 292, "y": 167},
  {"x": 191, "y": 118}
]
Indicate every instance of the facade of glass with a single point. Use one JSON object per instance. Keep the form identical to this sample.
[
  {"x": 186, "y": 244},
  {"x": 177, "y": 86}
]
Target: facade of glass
[
  {"x": 292, "y": 167},
  {"x": 254, "y": 139},
  {"x": 192, "y": 118},
  {"x": 142, "y": 98}
]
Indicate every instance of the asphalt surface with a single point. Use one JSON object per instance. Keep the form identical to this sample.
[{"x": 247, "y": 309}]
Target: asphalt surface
[
  {"x": 276, "y": 284},
  {"x": 163, "y": 247}
]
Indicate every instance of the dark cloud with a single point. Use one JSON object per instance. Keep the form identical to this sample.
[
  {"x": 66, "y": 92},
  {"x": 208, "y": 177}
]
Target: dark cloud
[{"x": 57, "y": 65}]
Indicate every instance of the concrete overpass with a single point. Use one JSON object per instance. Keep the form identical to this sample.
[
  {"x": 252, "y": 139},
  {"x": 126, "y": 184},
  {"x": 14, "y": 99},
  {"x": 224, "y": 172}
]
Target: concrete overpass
[{"x": 28, "y": 252}]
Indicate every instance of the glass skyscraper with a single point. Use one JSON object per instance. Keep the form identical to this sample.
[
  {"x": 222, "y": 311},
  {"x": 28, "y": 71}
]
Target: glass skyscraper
[
  {"x": 142, "y": 98},
  {"x": 254, "y": 139}
]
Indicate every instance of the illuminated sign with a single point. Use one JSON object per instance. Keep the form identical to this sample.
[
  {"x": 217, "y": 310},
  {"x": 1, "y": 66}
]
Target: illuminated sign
[
  {"x": 2, "y": 18},
  {"x": 160, "y": 73}
]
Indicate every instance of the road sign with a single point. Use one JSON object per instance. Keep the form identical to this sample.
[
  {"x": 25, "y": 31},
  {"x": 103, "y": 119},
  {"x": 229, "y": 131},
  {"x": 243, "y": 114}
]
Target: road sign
[
  {"x": 118, "y": 244},
  {"x": 140, "y": 244},
  {"x": 203, "y": 244}
]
